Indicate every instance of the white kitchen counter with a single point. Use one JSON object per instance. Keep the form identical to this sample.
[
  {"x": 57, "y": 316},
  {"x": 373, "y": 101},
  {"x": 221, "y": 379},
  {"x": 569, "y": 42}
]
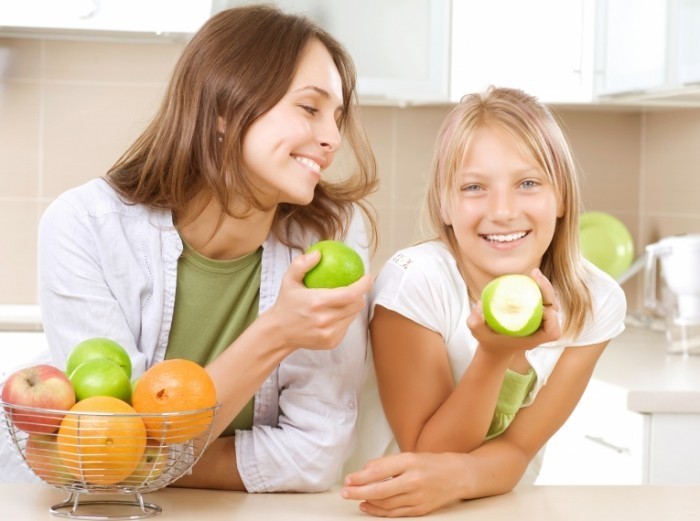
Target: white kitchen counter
[
  {"x": 655, "y": 381},
  {"x": 20, "y": 317}
]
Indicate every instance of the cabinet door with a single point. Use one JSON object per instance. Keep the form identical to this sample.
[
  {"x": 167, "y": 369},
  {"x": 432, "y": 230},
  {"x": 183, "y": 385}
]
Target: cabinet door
[
  {"x": 602, "y": 443},
  {"x": 150, "y": 16},
  {"x": 674, "y": 455},
  {"x": 400, "y": 47},
  {"x": 544, "y": 47},
  {"x": 631, "y": 45},
  {"x": 688, "y": 41}
]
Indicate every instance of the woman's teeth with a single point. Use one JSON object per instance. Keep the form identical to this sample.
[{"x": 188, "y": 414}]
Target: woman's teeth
[
  {"x": 506, "y": 238},
  {"x": 313, "y": 165}
]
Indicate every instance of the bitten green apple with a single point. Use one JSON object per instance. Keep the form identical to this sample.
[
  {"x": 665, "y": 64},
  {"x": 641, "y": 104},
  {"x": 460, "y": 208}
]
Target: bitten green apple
[
  {"x": 512, "y": 305},
  {"x": 340, "y": 265},
  {"x": 101, "y": 377},
  {"x": 98, "y": 348}
]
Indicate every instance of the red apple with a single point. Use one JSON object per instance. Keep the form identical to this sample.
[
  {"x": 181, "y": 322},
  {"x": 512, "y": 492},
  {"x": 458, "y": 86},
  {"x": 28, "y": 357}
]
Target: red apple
[
  {"x": 39, "y": 386},
  {"x": 43, "y": 457}
]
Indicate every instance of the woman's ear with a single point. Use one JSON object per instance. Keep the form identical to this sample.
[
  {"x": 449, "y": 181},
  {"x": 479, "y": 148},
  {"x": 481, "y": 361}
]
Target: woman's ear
[{"x": 220, "y": 125}]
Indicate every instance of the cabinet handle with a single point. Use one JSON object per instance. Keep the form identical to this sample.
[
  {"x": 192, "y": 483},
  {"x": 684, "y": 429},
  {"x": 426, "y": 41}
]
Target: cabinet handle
[{"x": 601, "y": 441}]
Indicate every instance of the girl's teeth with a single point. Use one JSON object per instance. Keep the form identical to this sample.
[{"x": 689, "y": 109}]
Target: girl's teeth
[
  {"x": 506, "y": 238},
  {"x": 313, "y": 165}
]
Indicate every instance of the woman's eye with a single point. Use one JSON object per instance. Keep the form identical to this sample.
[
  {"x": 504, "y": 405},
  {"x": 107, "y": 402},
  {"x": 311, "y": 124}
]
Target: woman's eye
[
  {"x": 470, "y": 188},
  {"x": 530, "y": 183},
  {"x": 309, "y": 109}
]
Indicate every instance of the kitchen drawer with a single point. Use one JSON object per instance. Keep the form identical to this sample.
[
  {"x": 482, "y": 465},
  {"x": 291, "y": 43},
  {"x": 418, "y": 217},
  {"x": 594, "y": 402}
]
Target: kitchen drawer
[{"x": 602, "y": 443}]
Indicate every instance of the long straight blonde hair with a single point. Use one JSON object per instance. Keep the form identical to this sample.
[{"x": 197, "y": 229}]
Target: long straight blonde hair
[
  {"x": 538, "y": 132},
  {"x": 236, "y": 68}
]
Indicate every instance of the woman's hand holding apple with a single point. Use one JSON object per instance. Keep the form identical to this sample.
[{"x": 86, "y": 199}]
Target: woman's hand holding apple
[{"x": 314, "y": 318}]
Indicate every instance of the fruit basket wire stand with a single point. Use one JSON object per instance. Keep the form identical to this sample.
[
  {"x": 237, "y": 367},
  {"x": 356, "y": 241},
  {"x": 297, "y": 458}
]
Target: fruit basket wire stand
[{"x": 100, "y": 455}]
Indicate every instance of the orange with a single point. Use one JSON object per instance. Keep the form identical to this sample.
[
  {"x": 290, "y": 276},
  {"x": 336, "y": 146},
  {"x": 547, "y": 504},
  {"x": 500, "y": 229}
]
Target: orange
[
  {"x": 176, "y": 389},
  {"x": 105, "y": 447}
]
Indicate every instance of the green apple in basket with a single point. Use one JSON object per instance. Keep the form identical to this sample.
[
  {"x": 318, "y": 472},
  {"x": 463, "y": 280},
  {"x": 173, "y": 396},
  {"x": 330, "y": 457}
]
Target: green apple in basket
[
  {"x": 512, "y": 305},
  {"x": 101, "y": 377},
  {"x": 98, "y": 347}
]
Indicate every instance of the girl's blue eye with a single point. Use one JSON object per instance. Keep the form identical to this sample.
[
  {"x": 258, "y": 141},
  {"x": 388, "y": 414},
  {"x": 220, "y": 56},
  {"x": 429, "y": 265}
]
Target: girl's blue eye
[{"x": 530, "y": 183}]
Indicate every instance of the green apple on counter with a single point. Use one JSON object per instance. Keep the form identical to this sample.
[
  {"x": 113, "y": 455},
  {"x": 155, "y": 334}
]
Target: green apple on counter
[
  {"x": 340, "y": 265},
  {"x": 98, "y": 348},
  {"x": 512, "y": 305}
]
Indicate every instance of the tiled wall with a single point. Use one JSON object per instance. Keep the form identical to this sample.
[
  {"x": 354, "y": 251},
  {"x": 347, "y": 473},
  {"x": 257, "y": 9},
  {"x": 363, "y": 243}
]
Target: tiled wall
[{"x": 68, "y": 109}]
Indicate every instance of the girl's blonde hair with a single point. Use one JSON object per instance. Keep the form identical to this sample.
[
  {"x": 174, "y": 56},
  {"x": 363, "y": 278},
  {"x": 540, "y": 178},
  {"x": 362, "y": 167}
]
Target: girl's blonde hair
[
  {"x": 536, "y": 130},
  {"x": 237, "y": 67}
]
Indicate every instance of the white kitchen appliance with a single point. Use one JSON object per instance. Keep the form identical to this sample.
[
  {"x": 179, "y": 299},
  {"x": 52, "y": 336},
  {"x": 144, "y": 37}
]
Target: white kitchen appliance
[{"x": 678, "y": 297}]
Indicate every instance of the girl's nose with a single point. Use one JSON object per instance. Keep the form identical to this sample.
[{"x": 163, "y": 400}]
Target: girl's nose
[{"x": 503, "y": 205}]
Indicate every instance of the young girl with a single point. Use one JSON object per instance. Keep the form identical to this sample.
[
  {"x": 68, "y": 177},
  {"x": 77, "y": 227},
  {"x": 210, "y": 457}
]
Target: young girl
[
  {"x": 470, "y": 409},
  {"x": 191, "y": 247}
]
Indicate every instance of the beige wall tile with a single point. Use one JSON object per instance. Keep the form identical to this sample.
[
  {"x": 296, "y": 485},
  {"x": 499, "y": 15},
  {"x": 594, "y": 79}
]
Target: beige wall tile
[
  {"x": 20, "y": 59},
  {"x": 671, "y": 173},
  {"x": 18, "y": 227},
  {"x": 109, "y": 62},
  {"x": 19, "y": 139},
  {"x": 607, "y": 148},
  {"x": 87, "y": 127},
  {"x": 417, "y": 129}
]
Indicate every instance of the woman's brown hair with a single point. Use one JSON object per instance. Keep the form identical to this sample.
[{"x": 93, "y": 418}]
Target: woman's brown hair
[
  {"x": 535, "y": 128},
  {"x": 236, "y": 68}
]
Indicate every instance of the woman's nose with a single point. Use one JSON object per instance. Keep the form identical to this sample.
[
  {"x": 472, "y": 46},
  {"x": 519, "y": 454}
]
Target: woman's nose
[{"x": 329, "y": 135}]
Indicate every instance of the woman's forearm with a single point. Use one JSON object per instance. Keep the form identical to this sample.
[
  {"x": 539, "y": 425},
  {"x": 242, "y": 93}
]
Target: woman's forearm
[
  {"x": 216, "y": 469},
  {"x": 241, "y": 369}
]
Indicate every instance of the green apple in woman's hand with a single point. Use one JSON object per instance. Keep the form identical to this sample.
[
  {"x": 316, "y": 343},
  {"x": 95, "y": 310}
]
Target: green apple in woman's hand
[
  {"x": 512, "y": 305},
  {"x": 340, "y": 265}
]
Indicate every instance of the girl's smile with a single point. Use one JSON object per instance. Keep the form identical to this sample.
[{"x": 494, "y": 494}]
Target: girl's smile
[{"x": 504, "y": 210}]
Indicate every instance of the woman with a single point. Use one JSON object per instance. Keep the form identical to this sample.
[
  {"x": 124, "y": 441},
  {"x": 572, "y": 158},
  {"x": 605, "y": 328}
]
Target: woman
[
  {"x": 470, "y": 409},
  {"x": 191, "y": 247}
]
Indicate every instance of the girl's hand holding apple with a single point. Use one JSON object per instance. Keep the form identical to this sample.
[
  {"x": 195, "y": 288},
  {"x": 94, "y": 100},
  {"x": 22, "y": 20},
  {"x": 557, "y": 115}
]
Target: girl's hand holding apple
[{"x": 504, "y": 341}]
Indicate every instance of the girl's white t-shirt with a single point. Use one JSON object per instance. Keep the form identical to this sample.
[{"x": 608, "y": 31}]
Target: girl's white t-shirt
[{"x": 424, "y": 284}]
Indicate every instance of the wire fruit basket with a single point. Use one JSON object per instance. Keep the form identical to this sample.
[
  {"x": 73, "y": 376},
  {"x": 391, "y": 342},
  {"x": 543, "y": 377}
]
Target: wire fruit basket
[{"x": 110, "y": 455}]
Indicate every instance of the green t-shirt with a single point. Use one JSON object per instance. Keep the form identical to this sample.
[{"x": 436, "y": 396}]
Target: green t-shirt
[
  {"x": 514, "y": 390},
  {"x": 215, "y": 302}
]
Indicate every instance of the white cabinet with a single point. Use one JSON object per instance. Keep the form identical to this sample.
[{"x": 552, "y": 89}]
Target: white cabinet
[
  {"x": 602, "y": 442},
  {"x": 674, "y": 458},
  {"x": 544, "y": 47},
  {"x": 132, "y": 16},
  {"x": 637, "y": 422},
  {"x": 648, "y": 50},
  {"x": 400, "y": 47},
  {"x": 688, "y": 30},
  {"x": 631, "y": 45}
]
